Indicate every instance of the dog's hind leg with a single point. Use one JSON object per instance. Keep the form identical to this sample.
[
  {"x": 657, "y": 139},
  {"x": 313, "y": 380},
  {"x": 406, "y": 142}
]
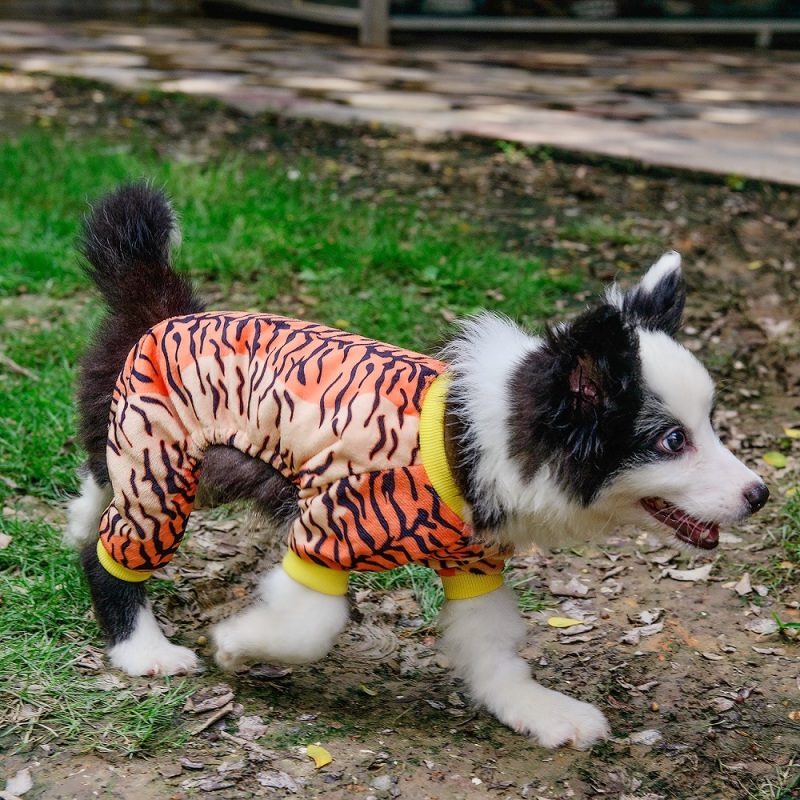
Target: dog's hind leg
[
  {"x": 291, "y": 624},
  {"x": 482, "y": 636},
  {"x": 137, "y": 645},
  {"x": 84, "y": 512}
]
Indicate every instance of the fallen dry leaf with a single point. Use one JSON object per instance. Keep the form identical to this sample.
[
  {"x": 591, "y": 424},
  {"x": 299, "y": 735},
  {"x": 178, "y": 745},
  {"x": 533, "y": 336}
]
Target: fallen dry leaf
[
  {"x": 775, "y": 459},
  {"x": 563, "y": 622},
  {"x": 762, "y": 627},
  {"x": 320, "y": 755},
  {"x": 269, "y": 672},
  {"x": 647, "y": 617},
  {"x": 275, "y": 779},
  {"x": 698, "y": 574},
  {"x": 744, "y": 586},
  {"x": 213, "y": 784},
  {"x": 648, "y": 738},
  {"x": 722, "y": 704},
  {"x": 633, "y": 637},
  {"x": 251, "y": 728},
  {"x": 572, "y": 588},
  {"x": 209, "y": 699}
]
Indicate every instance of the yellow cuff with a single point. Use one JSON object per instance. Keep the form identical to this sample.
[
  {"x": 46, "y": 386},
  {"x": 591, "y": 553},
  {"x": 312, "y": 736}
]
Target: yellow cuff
[
  {"x": 466, "y": 585},
  {"x": 316, "y": 577},
  {"x": 117, "y": 570}
]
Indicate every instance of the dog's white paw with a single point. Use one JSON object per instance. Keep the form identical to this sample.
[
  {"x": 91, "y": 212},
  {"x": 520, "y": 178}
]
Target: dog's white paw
[
  {"x": 291, "y": 624},
  {"x": 258, "y": 634},
  {"x": 165, "y": 659},
  {"x": 229, "y": 654},
  {"x": 148, "y": 652},
  {"x": 554, "y": 719}
]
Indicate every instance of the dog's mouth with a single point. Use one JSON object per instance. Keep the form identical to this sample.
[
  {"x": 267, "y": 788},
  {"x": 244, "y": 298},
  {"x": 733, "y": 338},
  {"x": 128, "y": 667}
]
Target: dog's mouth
[{"x": 686, "y": 527}]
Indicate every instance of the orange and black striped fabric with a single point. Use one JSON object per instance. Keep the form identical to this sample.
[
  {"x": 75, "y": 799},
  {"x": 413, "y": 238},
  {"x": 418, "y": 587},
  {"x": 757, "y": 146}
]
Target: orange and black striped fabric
[{"x": 337, "y": 414}]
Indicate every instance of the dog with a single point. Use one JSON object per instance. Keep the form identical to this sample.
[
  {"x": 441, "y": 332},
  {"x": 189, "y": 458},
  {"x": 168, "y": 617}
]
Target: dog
[{"x": 373, "y": 456}]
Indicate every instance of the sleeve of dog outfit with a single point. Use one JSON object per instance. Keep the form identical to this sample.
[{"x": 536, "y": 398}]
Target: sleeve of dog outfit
[{"x": 153, "y": 465}]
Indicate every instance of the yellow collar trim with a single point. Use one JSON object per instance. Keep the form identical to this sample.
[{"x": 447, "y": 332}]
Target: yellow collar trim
[{"x": 431, "y": 445}]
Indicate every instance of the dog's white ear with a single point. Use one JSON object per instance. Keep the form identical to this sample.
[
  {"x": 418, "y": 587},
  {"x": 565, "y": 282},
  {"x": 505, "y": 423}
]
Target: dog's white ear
[{"x": 657, "y": 302}]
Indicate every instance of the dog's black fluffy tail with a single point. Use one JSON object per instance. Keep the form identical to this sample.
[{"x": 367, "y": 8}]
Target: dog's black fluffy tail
[{"x": 126, "y": 241}]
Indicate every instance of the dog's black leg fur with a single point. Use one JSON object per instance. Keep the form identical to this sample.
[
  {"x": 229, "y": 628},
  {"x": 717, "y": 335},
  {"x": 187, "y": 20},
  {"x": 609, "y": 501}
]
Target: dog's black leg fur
[{"x": 117, "y": 603}]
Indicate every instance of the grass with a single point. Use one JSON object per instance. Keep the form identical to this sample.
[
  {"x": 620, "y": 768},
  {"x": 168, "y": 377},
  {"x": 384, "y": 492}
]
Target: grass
[
  {"x": 386, "y": 270},
  {"x": 784, "y": 784},
  {"x": 428, "y": 592},
  {"x": 271, "y": 235},
  {"x": 790, "y": 537},
  {"x": 782, "y": 570}
]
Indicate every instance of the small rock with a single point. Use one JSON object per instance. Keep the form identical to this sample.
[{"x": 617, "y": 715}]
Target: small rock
[
  {"x": 20, "y": 783},
  {"x": 382, "y": 785},
  {"x": 251, "y": 728}
]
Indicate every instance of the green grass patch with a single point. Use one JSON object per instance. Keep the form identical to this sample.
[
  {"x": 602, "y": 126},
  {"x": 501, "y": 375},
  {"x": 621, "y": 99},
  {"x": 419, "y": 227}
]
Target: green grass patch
[
  {"x": 790, "y": 534},
  {"x": 595, "y": 232},
  {"x": 273, "y": 235},
  {"x": 381, "y": 268},
  {"x": 783, "y": 569},
  {"x": 428, "y": 591}
]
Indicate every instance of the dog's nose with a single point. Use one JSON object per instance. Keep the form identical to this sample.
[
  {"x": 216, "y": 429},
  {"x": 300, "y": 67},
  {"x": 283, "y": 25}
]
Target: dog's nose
[{"x": 756, "y": 496}]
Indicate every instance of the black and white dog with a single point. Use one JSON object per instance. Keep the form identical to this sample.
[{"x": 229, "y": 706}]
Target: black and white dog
[{"x": 602, "y": 421}]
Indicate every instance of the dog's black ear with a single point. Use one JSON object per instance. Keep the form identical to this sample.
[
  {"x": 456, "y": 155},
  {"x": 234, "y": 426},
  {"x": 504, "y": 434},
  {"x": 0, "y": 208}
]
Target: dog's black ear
[
  {"x": 657, "y": 302},
  {"x": 596, "y": 364},
  {"x": 576, "y": 400}
]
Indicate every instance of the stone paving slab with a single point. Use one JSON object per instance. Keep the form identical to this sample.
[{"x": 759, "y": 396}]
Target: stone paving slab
[{"x": 732, "y": 113}]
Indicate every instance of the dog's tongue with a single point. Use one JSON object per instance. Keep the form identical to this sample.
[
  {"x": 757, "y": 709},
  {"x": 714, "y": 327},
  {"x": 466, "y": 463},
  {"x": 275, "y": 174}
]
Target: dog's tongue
[
  {"x": 687, "y": 528},
  {"x": 706, "y": 537}
]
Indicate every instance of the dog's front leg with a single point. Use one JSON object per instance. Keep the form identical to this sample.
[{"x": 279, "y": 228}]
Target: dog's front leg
[
  {"x": 482, "y": 637},
  {"x": 291, "y": 624}
]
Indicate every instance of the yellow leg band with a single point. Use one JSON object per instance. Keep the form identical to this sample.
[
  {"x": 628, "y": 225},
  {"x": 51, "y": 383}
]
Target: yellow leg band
[
  {"x": 466, "y": 585},
  {"x": 117, "y": 570},
  {"x": 314, "y": 576}
]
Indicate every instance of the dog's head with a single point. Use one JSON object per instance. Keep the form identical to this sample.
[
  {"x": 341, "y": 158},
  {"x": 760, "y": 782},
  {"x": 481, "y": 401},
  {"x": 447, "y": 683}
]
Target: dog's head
[{"x": 618, "y": 415}]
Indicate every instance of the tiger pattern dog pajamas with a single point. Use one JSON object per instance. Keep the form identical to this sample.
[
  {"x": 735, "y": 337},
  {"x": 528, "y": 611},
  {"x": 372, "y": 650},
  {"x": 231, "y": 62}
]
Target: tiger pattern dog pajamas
[{"x": 356, "y": 425}]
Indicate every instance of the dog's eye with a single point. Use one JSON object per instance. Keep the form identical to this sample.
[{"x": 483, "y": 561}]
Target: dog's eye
[{"x": 673, "y": 442}]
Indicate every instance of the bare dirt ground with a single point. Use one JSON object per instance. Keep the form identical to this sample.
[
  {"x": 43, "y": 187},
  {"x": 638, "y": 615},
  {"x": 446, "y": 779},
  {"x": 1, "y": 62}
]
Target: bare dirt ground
[{"x": 702, "y": 698}]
